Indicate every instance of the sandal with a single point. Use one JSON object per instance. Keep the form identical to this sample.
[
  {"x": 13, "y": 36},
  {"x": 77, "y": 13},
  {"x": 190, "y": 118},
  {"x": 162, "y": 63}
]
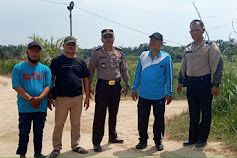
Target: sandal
[
  {"x": 54, "y": 153},
  {"x": 80, "y": 150}
]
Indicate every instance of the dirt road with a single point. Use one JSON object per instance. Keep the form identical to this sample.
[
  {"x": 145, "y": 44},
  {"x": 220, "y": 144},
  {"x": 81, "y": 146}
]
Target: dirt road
[{"x": 126, "y": 127}]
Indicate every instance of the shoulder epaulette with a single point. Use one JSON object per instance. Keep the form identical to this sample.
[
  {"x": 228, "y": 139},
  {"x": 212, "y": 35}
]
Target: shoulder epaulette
[
  {"x": 209, "y": 42},
  {"x": 118, "y": 48},
  {"x": 188, "y": 44},
  {"x": 99, "y": 47}
]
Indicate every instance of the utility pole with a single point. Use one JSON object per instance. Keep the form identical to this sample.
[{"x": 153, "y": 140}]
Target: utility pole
[{"x": 70, "y": 7}]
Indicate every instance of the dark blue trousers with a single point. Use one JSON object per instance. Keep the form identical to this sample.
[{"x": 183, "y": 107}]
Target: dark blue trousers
[
  {"x": 199, "y": 100},
  {"x": 25, "y": 119},
  {"x": 144, "y": 107}
]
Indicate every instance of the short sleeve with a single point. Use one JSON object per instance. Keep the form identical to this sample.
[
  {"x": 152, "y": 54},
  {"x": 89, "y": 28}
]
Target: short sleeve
[
  {"x": 48, "y": 77},
  {"x": 85, "y": 70},
  {"x": 53, "y": 66},
  {"x": 16, "y": 77}
]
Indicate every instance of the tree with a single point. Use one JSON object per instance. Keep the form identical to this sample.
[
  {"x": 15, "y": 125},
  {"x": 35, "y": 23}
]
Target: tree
[{"x": 50, "y": 47}]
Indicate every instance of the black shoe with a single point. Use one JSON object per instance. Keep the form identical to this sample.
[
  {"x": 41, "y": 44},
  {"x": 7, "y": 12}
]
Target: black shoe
[
  {"x": 141, "y": 145},
  {"x": 189, "y": 142},
  {"x": 159, "y": 146},
  {"x": 97, "y": 148},
  {"x": 39, "y": 155},
  {"x": 116, "y": 140},
  {"x": 201, "y": 144}
]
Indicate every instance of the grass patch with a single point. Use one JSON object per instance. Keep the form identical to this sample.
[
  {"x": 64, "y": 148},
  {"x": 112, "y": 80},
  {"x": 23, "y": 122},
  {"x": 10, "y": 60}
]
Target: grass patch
[{"x": 177, "y": 127}]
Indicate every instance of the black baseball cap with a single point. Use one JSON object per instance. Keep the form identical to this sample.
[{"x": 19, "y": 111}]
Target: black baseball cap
[
  {"x": 34, "y": 44},
  {"x": 157, "y": 35}
]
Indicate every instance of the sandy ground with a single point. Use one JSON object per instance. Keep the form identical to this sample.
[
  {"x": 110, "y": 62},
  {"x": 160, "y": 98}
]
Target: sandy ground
[{"x": 126, "y": 128}]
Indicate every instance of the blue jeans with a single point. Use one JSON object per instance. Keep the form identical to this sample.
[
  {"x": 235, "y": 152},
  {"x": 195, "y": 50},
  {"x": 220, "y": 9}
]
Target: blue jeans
[{"x": 25, "y": 120}]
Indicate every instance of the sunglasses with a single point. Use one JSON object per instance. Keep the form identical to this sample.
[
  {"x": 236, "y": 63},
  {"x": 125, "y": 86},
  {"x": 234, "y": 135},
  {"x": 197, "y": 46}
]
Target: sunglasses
[{"x": 108, "y": 36}]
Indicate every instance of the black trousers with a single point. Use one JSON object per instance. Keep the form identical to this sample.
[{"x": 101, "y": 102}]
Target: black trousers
[
  {"x": 199, "y": 100},
  {"x": 144, "y": 107},
  {"x": 106, "y": 97},
  {"x": 25, "y": 120}
]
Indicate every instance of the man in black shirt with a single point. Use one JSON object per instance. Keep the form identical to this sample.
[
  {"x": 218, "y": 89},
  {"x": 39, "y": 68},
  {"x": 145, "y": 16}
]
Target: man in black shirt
[{"x": 68, "y": 71}]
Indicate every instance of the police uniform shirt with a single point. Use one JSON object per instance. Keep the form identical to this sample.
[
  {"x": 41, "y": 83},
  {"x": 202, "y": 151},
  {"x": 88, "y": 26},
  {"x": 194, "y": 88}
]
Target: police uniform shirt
[
  {"x": 110, "y": 65},
  {"x": 200, "y": 60}
]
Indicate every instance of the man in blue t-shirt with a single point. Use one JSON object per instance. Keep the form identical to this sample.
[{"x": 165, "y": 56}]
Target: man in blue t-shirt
[
  {"x": 33, "y": 82},
  {"x": 154, "y": 75}
]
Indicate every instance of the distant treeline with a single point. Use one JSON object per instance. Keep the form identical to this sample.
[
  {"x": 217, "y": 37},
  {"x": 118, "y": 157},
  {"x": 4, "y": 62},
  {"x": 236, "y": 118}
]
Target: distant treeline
[{"x": 52, "y": 49}]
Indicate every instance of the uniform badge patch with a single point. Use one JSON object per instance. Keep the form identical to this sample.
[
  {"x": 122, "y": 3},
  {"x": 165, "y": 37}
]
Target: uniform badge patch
[
  {"x": 204, "y": 48},
  {"x": 117, "y": 54}
]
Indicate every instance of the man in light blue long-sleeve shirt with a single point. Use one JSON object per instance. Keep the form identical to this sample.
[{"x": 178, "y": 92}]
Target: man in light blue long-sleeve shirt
[{"x": 154, "y": 75}]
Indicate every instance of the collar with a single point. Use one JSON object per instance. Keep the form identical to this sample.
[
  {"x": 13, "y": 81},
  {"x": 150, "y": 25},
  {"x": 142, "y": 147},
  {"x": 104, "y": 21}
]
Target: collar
[
  {"x": 158, "y": 55},
  {"x": 197, "y": 46},
  {"x": 108, "y": 51}
]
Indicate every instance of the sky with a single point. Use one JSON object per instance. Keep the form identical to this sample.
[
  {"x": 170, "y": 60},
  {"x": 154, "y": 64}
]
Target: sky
[{"x": 23, "y": 18}]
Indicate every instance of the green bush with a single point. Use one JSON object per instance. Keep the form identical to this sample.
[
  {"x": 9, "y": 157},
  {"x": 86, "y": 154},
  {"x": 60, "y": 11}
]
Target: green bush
[{"x": 6, "y": 66}]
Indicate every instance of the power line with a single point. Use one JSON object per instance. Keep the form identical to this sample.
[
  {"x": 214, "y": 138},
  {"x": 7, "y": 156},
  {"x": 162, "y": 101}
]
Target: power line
[
  {"x": 128, "y": 27},
  {"x": 52, "y": 2}
]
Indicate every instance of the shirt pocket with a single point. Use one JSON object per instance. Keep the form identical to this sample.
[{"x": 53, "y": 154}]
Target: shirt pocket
[
  {"x": 103, "y": 62},
  {"x": 189, "y": 56},
  {"x": 159, "y": 71}
]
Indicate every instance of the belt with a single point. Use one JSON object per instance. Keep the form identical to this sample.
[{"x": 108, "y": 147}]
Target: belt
[
  {"x": 110, "y": 82},
  {"x": 205, "y": 77}
]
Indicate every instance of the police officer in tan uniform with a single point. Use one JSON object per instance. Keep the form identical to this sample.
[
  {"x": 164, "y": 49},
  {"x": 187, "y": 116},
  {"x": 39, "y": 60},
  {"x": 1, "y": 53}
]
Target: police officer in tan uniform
[
  {"x": 201, "y": 71},
  {"x": 111, "y": 65}
]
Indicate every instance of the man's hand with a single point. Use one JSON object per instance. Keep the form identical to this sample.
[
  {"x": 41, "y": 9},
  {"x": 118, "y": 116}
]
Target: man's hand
[
  {"x": 87, "y": 103},
  {"x": 50, "y": 103},
  {"x": 168, "y": 99},
  {"x": 91, "y": 93},
  {"x": 125, "y": 90},
  {"x": 134, "y": 96},
  {"x": 35, "y": 102},
  {"x": 179, "y": 88},
  {"x": 215, "y": 91}
]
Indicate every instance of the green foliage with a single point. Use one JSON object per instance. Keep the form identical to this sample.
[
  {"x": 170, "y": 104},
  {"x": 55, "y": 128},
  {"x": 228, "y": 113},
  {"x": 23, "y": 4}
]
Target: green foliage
[
  {"x": 50, "y": 48},
  {"x": 228, "y": 98},
  {"x": 6, "y": 66},
  {"x": 12, "y": 52}
]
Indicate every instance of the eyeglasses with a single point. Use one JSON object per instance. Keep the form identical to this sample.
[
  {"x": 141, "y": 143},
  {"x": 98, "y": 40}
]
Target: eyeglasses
[{"x": 108, "y": 36}]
